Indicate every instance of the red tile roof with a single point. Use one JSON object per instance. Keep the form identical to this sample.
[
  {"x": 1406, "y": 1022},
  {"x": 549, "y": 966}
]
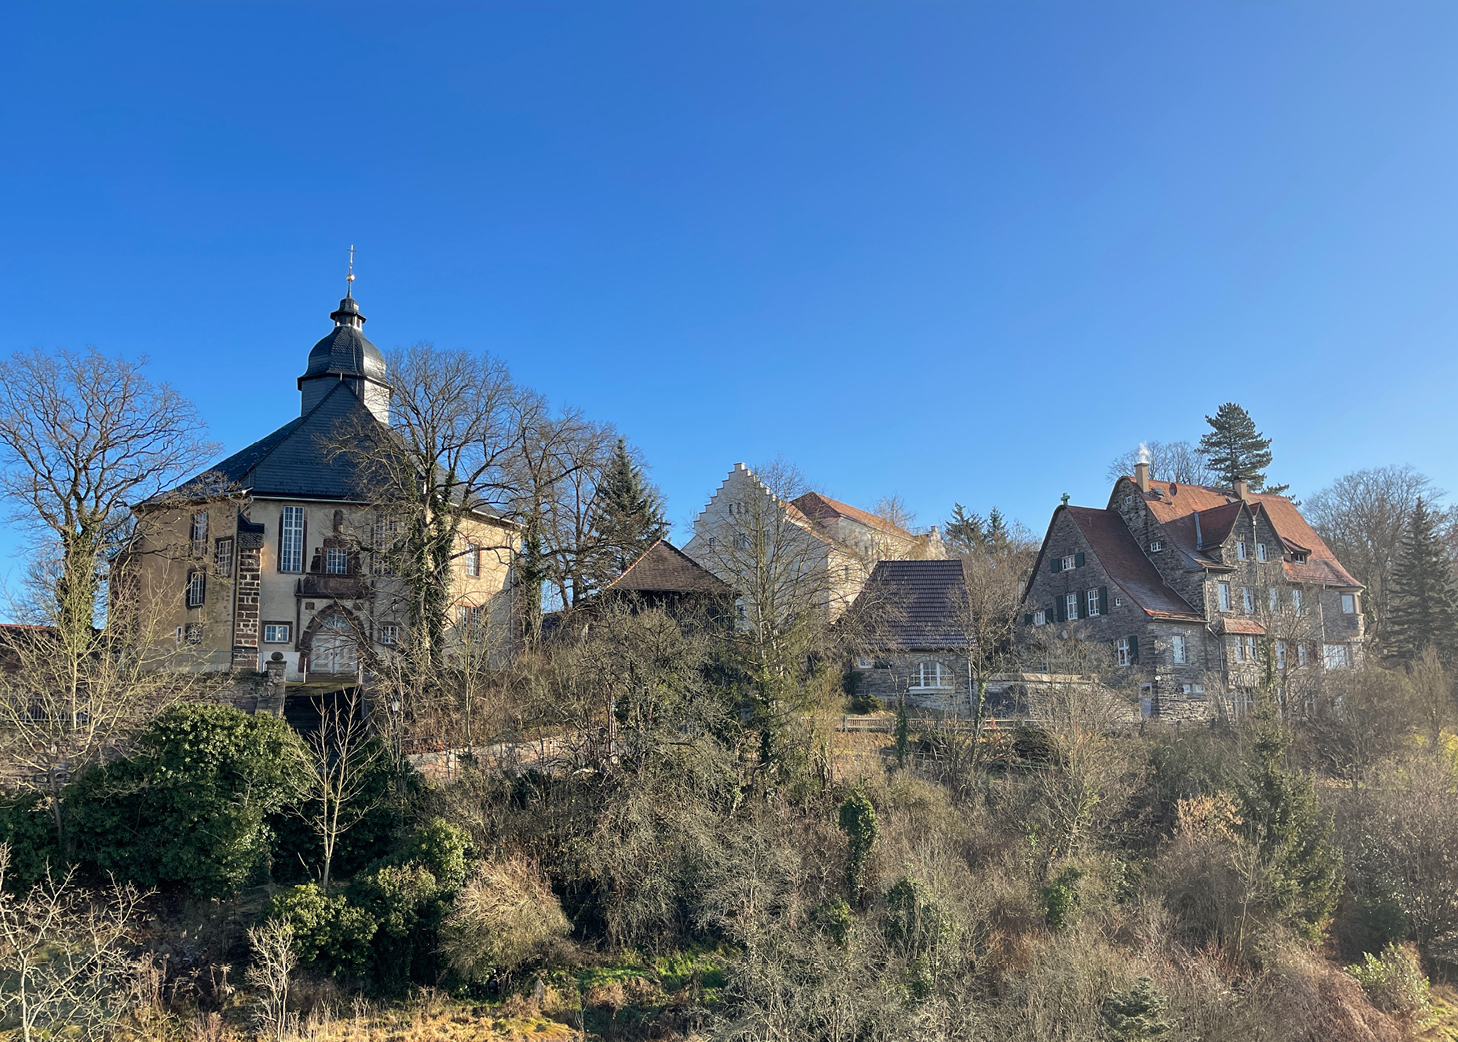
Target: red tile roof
[
  {"x": 1170, "y": 502},
  {"x": 822, "y": 508},
  {"x": 1114, "y": 546},
  {"x": 1242, "y": 626}
]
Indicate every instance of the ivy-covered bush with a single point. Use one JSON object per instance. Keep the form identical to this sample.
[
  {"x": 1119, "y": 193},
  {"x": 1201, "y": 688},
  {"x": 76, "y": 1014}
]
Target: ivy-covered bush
[
  {"x": 26, "y": 827},
  {"x": 191, "y": 805}
]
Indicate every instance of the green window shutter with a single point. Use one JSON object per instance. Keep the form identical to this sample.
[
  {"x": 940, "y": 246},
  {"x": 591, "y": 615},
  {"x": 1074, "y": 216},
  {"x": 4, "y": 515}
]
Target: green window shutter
[
  {"x": 1103, "y": 600},
  {"x": 1080, "y": 606},
  {"x": 1078, "y": 559},
  {"x": 1054, "y": 564},
  {"x": 1028, "y": 619},
  {"x": 1133, "y": 649},
  {"x": 1061, "y": 606}
]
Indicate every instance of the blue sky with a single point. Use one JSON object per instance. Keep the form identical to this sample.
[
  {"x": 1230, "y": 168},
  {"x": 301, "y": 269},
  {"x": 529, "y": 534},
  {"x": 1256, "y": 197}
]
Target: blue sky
[{"x": 956, "y": 251}]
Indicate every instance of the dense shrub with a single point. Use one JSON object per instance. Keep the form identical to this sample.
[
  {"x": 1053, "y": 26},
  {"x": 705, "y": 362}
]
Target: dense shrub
[
  {"x": 30, "y": 832},
  {"x": 330, "y": 935},
  {"x": 1136, "y": 1014},
  {"x": 504, "y": 918},
  {"x": 1395, "y": 983},
  {"x": 191, "y": 805}
]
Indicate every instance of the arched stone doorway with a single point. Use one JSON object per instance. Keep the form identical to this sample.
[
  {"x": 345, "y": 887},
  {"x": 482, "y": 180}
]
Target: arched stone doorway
[{"x": 333, "y": 644}]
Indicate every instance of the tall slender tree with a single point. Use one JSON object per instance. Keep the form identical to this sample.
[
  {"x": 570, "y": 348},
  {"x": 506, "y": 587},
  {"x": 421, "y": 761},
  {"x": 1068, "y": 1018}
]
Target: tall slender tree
[
  {"x": 1422, "y": 613},
  {"x": 1235, "y": 450},
  {"x": 629, "y": 516}
]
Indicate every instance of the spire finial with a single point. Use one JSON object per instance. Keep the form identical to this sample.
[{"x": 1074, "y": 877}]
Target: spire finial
[{"x": 349, "y": 279}]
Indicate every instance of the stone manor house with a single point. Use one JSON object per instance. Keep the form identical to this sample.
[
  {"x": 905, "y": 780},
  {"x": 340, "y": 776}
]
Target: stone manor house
[
  {"x": 1196, "y": 592},
  {"x": 274, "y": 561}
]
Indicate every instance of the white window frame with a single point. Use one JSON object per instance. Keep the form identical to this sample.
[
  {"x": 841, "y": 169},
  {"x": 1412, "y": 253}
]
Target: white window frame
[
  {"x": 1156, "y": 546},
  {"x": 1247, "y": 599},
  {"x": 1177, "y": 650},
  {"x": 291, "y": 540},
  {"x": 272, "y": 635},
  {"x": 1193, "y": 689},
  {"x": 197, "y": 588},
  {"x": 1122, "y": 656},
  {"x": 1275, "y": 599},
  {"x": 1068, "y": 563},
  {"x": 336, "y": 555},
  {"x": 198, "y": 532},
  {"x": 1349, "y": 604},
  {"x": 1260, "y": 552},
  {"x": 1070, "y": 606},
  {"x": 1091, "y": 598},
  {"x": 223, "y": 558},
  {"x": 473, "y": 560},
  {"x": 1300, "y": 654},
  {"x": 1280, "y": 654},
  {"x": 1223, "y": 596},
  {"x": 1240, "y": 549},
  {"x": 1296, "y": 600},
  {"x": 1336, "y": 656},
  {"x": 390, "y": 634},
  {"x": 1250, "y": 648},
  {"x": 1040, "y": 618},
  {"x": 931, "y": 676}
]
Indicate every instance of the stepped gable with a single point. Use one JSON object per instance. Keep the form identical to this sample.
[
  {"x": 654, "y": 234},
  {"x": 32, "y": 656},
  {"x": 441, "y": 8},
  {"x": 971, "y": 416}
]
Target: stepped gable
[
  {"x": 664, "y": 568},
  {"x": 923, "y": 600},
  {"x": 1172, "y": 504},
  {"x": 1126, "y": 564}
]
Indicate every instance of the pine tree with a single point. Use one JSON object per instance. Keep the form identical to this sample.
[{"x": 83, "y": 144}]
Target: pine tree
[
  {"x": 964, "y": 532},
  {"x": 1422, "y": 612},
  {"x": 629, "y": 518},
  {"x": 1235, "y": 450}
]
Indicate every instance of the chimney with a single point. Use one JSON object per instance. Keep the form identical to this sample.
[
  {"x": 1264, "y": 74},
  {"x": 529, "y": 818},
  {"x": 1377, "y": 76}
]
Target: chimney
[
  {"x": 1141, "y": 476},
  {"x": 1242, "y": 491}
]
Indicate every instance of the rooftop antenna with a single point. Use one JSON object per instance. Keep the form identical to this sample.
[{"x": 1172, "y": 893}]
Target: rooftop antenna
[{"x": 349, "y": 279}]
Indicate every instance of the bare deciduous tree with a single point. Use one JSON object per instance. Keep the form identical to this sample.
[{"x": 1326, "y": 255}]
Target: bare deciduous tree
[
  {"x": 1178, "y": 461},
  {"x": 1362, "y": 517},
  {"x": 272, "y": 971},
  {"x": 341, "y": 758},
  {"x": 63, "y": 961}
]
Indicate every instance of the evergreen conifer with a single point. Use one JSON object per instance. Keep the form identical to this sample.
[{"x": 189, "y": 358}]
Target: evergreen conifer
[
  {"x": 1422, "y": 612},
  {"x": 629, "y": 518},
  {"x": 1235, "y": 450}
]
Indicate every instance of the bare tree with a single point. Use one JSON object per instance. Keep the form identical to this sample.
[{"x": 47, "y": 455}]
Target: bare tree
[
  {"x": 786, "y": 575},
  {"x": 63, "y": 962},
  {"x": 443, "y": 457},
  {"x": 342, "y": 757},
  {"x": 83, "y": 436},
  {"x": 1362, "y": 517},
  {"x": 1178, "y": 461},
  {"x": 272, "y": 971},
  {"x": 987, "y": 611}
]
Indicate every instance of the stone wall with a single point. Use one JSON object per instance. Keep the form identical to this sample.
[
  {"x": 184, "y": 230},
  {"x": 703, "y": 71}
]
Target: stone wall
[{"x": 889, "y": 675}]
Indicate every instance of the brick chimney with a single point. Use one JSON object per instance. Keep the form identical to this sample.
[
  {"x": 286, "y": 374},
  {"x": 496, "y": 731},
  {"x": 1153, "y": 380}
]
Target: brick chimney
[
  {"x": 1141, "y": 476},
  {"x": 1242, "y": 491}
]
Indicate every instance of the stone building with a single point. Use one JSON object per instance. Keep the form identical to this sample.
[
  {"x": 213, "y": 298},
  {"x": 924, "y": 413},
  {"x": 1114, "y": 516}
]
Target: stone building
[
  {"x": 276, "y": 558},
  {"x": 811, "y": 548},
  {"x": 913, "y": 640},
  {"x": 1191, "y": 591}
]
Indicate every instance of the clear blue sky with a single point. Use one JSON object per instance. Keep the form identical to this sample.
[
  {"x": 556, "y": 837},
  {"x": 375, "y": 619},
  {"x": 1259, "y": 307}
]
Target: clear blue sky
[{"x": 957, "y": 251}]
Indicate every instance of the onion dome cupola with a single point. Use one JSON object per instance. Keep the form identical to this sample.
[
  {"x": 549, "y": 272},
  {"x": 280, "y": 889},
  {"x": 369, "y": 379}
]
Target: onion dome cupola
[{"x": 346, "y": 355}]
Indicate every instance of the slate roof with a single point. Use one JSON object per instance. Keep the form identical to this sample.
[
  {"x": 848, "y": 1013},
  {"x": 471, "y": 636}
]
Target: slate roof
[
  {"x": 664, "y": 568},
  {"x": 345, "y": 350},
  {"x": 1122, "y": 558},
  {"x": 1172, "y": 503},
  {"x": 920, "y": 601},
  {"x": 291, "y": 461}
]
